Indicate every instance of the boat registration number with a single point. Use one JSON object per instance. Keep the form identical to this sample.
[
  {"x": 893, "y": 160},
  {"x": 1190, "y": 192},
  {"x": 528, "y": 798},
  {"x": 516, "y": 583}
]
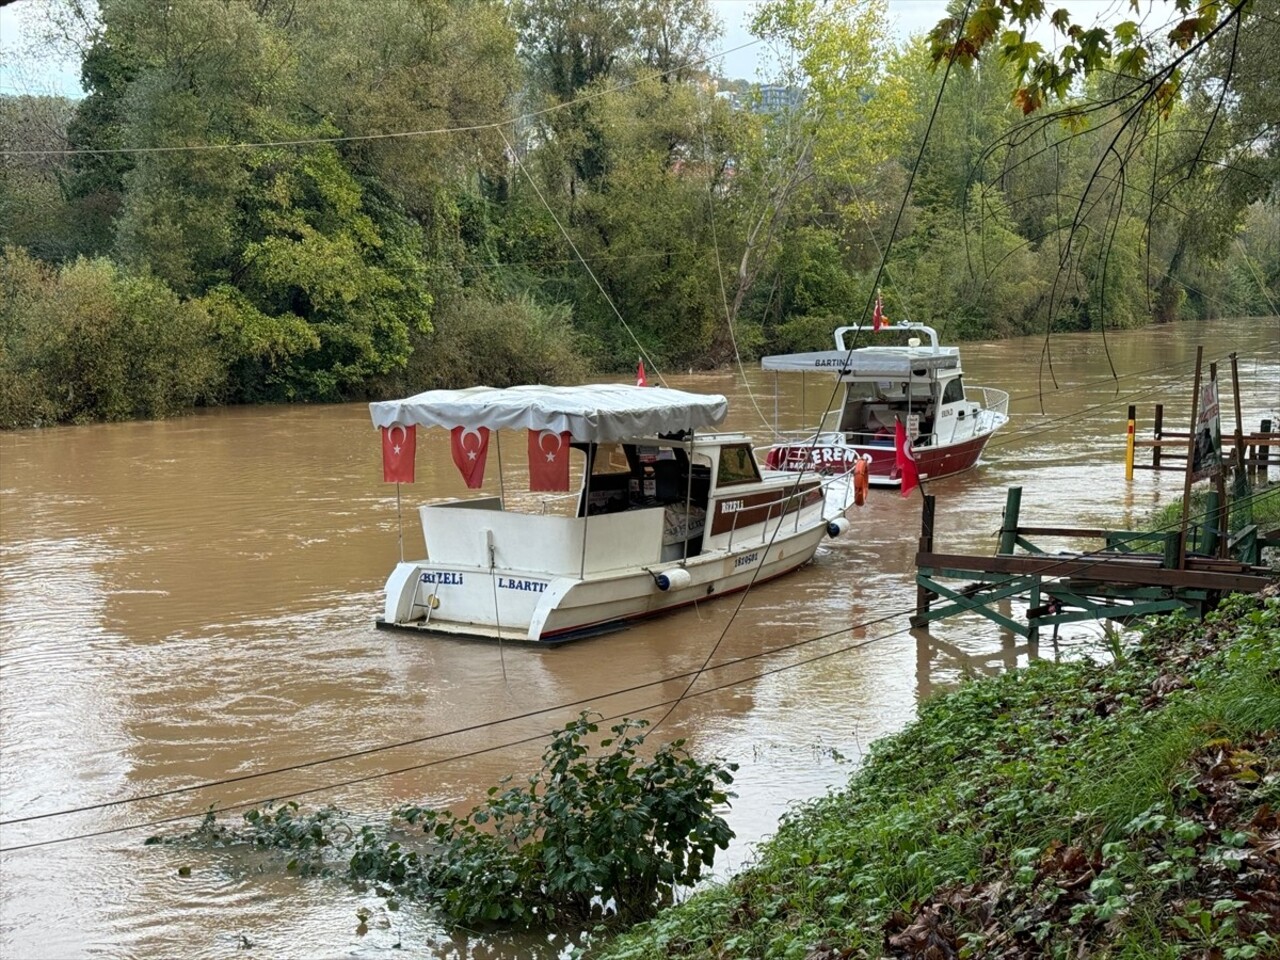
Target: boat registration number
[{"x": 745, "y": 560}]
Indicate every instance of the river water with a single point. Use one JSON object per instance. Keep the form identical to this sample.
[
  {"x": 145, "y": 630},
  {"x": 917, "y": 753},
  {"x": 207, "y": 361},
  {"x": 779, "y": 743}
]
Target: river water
[{"x": 193, "y": 600}]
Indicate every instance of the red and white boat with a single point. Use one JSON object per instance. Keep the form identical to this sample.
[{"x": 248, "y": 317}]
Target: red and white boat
[{"x": 947, "y": 421}]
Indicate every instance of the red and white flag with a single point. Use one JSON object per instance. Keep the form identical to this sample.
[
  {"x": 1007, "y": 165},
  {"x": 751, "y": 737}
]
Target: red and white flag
[
  {"x": 877, "y": 315},
  {"x": 908, "y": 473},
  {"x": 398, "y": 446},
  {"x": 641, "y": 379},
  {"x": 548, "y": 460},
  {"x": 470, "y": 447}
]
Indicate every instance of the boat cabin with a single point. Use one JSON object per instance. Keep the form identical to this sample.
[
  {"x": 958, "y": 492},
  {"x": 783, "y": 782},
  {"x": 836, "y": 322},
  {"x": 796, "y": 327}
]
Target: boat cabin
[
  {"x": 661, "y": 473},
  {"x": 920, "y": 384}
]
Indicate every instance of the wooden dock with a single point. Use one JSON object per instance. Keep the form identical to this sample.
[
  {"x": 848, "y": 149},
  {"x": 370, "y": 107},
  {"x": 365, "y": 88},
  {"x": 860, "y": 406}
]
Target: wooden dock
[{"x": 1132, "y": 573}]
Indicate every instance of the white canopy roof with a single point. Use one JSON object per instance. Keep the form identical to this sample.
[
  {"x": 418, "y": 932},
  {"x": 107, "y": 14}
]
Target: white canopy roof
[
  {"x": 868, "y": 363},
  {"x": 598, "y": 412}
]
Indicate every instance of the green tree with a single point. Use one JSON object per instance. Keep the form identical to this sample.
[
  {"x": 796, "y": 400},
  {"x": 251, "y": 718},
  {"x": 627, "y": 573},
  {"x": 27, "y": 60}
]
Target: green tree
[
  {"x": 34, "y": 209},
  {"x": 87, "y": 341}
]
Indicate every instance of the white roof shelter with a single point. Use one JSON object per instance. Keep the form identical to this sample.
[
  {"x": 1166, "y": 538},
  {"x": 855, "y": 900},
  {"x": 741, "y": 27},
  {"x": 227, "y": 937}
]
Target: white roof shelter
[{"x": 599, "y": 412}]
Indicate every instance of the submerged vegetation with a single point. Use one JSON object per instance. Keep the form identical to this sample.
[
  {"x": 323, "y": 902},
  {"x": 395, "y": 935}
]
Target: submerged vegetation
[
  {"x": 275, "y": 201},
  {"x": 1125, "y": 808},
  {"x": 591, "y": 835}
]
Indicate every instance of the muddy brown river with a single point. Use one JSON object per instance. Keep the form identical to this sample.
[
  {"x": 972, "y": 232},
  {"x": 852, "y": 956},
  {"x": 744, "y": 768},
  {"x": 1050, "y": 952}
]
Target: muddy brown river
[{"x": 193, "y": 600}]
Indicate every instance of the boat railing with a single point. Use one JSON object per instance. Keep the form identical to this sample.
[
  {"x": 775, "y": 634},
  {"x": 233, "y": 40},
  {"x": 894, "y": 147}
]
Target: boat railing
[
  {"x": 905, "y": 327},
  {"x": 997, "y": 401}
]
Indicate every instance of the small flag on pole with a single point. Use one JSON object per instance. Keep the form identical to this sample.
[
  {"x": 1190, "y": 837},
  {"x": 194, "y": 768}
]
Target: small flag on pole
[
  {"x": 877, "y": 315},
  {"x": 908, "y": 472},
  {"x": 398, "y": 446},
  {"x": 549, "y": 460},
  {"x": 641, "y": 379},
  {"x": 470, "y": 449}
]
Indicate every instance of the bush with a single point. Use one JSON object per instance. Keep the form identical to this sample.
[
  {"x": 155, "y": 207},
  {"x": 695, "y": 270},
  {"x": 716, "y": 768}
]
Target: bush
[
  {"x": 499, "y": 343},
  {"x": 587, "y": 835},
  {"x": 88, "y": 342}
]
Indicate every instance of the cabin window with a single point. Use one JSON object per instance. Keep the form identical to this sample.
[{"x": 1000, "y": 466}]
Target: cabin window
[
  {"x": 609, "y": 458},
  {"x": 737, "y": 465},
  {"x": 954, "y": 392}
]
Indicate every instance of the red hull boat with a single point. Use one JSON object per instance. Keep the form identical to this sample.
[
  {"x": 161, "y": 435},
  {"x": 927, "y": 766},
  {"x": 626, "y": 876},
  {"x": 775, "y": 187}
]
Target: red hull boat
[{"x": 947, "y": 422}]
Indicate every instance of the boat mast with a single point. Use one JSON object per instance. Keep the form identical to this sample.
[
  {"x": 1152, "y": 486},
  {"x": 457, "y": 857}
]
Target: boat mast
[{"x": 502, "y": 486}]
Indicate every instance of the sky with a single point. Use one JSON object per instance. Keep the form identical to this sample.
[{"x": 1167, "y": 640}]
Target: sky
[
  {"x": 908, "y": 17},
  {"x": 21, "y": 73}
]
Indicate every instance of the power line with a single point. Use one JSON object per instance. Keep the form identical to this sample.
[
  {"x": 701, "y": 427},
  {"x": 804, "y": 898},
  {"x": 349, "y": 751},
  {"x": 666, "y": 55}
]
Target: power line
[
  {"x": 670, "y": 704},
  {"x": 906, "y": 193},
  {"x": 129, "y": 828},
  {"x": 395, "y": 135},
  {"x": 417, "y": 741}
]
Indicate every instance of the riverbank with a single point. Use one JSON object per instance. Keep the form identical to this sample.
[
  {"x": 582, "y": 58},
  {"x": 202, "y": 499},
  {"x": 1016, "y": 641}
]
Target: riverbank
[{"x": 1123, "y": 805}]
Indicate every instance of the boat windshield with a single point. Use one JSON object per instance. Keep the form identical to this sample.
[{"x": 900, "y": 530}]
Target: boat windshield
[{"x": 954, "y": 392}]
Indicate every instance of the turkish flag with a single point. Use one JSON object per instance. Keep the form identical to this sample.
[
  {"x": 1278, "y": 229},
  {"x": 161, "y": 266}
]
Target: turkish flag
[
  {"x": 908, "y": 472},
  {"x": 548, "y": 460},
  {"x": 398, "y": 445},
  {"x": 877, "y": 315},
  {"x": 641, "y": 379},
  {"x": 470, "y": 448}
]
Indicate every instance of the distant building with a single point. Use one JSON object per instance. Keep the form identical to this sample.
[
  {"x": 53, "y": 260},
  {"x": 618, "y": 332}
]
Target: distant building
[
  {"x": 731, "y": 98},
  {"x": 775, "y": 98},
  {"x": 762, "y": 97}
]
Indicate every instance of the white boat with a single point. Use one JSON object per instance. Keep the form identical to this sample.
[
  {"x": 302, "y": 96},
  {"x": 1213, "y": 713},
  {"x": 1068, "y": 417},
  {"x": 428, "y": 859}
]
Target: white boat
[
  {"x": 665, "y": 516},
  {"x": 947, "y": 421}
]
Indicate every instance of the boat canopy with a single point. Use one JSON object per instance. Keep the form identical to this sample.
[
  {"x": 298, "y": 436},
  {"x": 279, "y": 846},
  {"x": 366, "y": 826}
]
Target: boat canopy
[
  {"x": 862, "y": 364},
  {"x": 595, "y": 413}
]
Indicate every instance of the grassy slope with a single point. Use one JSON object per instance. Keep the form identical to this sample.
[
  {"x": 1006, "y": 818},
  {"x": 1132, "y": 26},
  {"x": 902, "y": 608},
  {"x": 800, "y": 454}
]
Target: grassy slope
[{"x": 1126, "y": 809}]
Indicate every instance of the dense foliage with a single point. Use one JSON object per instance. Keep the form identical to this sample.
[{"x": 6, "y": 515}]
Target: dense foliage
[
  {"x": 1126, "y": 808},
  {"x": 342, "y": 199},
  {"x": 589, "y": 835}
]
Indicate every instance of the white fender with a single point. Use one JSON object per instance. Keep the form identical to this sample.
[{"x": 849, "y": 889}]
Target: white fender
[
  {"x": 677, "y": 578},
  {"x": 837, "y": 527}
]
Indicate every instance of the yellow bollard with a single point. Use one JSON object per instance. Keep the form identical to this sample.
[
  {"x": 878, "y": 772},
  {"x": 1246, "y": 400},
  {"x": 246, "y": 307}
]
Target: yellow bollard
[{"x": 1128, "y": 448}]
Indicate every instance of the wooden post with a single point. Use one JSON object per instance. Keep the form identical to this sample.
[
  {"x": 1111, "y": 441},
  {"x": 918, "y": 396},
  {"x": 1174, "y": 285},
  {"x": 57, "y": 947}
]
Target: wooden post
[
  {"x": 926, "y": 546},
  {"x": 1158, "y": 433},
  {"x": 1264, "y": 452},
  {"x": 1128, "y": 446},
  {"x": 1009, "y": 529},
  {"x": 1219, "y": 513},
  {"x": 1191, "y": 456},
  {"x": 1235, "y": 390}
]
